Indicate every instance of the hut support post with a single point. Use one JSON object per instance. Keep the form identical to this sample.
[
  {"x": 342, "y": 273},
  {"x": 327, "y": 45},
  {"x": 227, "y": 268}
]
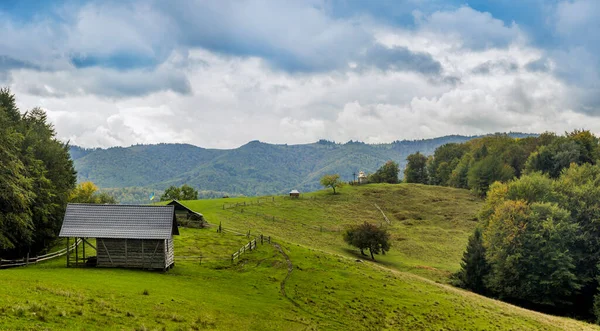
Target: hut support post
[
  {"x": 126, "y": 260},
  {"x": 76, "y": 253},
  {"x": 143, "y": 256},
  {"x": 83, "y": 247},
  {"x": 92, "y": 246},
  {"x": 68, "y": 252}
]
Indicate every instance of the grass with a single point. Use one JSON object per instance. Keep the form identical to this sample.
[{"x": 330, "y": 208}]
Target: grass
[
  {"x": 319, "y": 286},
  {"x": 430, "y": 226}
]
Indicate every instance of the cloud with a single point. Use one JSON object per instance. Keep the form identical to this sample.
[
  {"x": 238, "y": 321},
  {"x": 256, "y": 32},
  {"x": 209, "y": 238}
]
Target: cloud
[
  {"x": 498, "y": 66},
  {"x": 221, "y": 73},
  {"x": 400, "y": 59},
  {"x": 475, "y": 30}
]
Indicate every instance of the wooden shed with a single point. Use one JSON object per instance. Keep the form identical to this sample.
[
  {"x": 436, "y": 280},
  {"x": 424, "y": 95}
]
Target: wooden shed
[
  {"x": 294, "y": 193},
  {"x": 126, "y": 236}
]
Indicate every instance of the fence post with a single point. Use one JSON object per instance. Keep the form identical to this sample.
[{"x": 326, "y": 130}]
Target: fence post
[
  {"x": 27, "y": 261},
  {"x": 68, "y": 253},
  {"x": 261, "y": 239}
]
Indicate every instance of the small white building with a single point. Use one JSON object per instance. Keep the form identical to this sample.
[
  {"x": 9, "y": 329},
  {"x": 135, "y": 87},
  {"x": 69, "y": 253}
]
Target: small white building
[{"x": 362, "y": 178}]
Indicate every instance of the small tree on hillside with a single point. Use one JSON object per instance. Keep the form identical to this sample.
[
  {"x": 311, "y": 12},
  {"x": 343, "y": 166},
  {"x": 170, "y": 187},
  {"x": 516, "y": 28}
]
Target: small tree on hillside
[
  {"x": 368, "y": 236},
  {"x": 332, "y": 181},
  {"x": 172, "y": 193},
  {"x": 184, "y": 192},
  {"x": 388, "y": 173},
  {"x": 188, "y": 193},
  {"x": 416, "y": 169}
]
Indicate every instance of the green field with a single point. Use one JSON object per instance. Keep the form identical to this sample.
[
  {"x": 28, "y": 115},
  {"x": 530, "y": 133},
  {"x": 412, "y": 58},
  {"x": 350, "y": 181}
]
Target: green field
[{"x": 308, "y": 279}]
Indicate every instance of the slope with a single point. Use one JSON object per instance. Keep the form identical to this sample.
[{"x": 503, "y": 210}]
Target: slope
[
  {"x": 430, "y": 225},
  {"x": 295, "y": 284}
]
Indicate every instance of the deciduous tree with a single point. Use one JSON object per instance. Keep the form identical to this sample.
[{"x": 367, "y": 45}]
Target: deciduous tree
[
  {"x": 368, "y": 236},
  {"x": 388, "y": 173},
  {"x": 416, "y": 169},
  {"x": 332, "y": 181}
]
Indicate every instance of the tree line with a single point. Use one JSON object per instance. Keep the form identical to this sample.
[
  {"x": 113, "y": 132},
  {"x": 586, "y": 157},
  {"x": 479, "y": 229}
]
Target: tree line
[
  {"x": 36, "y": 179},
  {"x": 537, "y": 241},
  {"x": 478, "y": 163}
]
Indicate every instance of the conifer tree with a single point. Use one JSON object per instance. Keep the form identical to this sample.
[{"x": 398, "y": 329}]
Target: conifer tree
[{"x": 474, "y": 267}]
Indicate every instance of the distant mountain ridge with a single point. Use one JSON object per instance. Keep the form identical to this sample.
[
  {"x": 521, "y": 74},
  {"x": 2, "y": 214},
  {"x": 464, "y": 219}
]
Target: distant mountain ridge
[{"x": 255, "y": 168}]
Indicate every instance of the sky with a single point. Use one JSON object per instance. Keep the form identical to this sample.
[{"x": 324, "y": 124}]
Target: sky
[{"x": 218, "y": 74}]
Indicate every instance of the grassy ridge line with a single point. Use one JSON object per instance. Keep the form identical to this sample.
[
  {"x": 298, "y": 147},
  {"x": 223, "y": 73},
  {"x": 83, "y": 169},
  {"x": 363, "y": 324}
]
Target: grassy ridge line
[{"x": 430, "y": 225}]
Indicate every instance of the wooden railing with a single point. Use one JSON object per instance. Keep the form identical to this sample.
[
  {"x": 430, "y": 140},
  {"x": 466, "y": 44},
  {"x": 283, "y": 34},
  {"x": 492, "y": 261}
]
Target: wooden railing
[
  {"x": 28, "y": 260},
  {"x": 249, "y": 247}
]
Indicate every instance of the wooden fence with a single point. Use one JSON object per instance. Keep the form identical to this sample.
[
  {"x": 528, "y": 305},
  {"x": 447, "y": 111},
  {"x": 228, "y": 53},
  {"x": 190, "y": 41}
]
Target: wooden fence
[
  {"x": 273, "y": 218},
  {"x": 249, "y": 247},
  {"x": 28, "y": 260},
  {"x": 248, "y": 203}
]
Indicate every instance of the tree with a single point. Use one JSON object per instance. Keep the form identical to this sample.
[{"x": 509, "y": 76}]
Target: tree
[
  {"x": 474, "y": 267},
  {"x": 332, "y": 181},
  {"x": 445, "y": 159},
  {"x": 388, "y": 173},
  {"x": 185, "y": 192},
  {"x": 188, "y": 193},
  {"x": 368, "y": 236},
  {"x": 37, "y": 176},
  {"x": 171, "y": 193},
  {"x": 416, "y": 169},
  {"x": 87, "y": 192},
  {"x": 486, "y": 171},
  {"x": 529, "y": 250}
]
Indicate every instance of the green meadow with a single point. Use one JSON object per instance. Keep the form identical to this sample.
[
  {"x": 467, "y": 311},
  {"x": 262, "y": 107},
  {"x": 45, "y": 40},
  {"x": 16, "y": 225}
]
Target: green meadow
[{"x": 306, "y": 279}]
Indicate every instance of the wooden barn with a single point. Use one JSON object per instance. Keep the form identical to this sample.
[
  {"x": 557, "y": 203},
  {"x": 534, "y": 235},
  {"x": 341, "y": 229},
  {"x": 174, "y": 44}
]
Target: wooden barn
[
  {"x": 294, "y": 193},
  {"x": 126, "y": 236}
]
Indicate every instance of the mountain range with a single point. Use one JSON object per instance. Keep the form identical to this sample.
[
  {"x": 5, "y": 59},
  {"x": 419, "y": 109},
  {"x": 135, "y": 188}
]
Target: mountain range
[{"x": 255, "y": 168}]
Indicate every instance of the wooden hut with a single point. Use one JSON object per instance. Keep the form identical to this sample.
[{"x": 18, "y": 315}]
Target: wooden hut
[
  {"x": 294, "y": 193},
  {"x": 184, "y": 213},
  {"x": 126, "y": 236}
]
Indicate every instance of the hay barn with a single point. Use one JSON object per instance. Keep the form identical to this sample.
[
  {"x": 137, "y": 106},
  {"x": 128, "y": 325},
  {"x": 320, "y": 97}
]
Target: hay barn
[{"x": 126, "y": 236}]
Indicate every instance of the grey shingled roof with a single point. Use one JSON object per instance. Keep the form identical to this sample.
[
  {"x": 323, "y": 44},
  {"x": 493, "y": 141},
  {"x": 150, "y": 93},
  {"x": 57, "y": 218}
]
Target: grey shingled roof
[{"x": 119, "y": 221}]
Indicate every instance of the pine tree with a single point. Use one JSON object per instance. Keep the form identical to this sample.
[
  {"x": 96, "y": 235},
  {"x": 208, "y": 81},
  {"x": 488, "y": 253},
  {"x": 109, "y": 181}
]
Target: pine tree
[{"x": 474, "y": 266}]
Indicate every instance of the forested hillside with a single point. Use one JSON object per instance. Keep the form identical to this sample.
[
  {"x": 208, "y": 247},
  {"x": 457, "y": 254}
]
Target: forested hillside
[
  {"x": 537, "y": 240},
  {"x": 253, "y": 169},
  {"x": 36, "y": 178}
]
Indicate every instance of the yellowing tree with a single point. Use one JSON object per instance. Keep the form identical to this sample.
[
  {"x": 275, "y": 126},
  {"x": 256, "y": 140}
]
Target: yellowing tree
[
  {"x": 332, "y": 181},
  {"x": 86, "y": 192}
]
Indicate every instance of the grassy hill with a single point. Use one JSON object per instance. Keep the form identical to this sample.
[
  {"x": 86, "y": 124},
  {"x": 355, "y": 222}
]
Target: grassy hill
[
  {"x": 307, "y": 280},
  {"x": 253, "y": 169}
]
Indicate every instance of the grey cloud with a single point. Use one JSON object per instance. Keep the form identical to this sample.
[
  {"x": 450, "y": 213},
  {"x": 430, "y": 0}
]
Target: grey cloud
[
  {"x": 539, "y": 65},
  {"x": 106, "y": 83},
  {"x": 139, "y": 84},
  {"x": 491, "y": 66},
  {"x": 401, "y": 59},
  {"x": 8, "y": 63}
]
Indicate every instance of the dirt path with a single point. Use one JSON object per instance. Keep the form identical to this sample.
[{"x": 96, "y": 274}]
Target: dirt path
[{"x": 290, "y": 268}]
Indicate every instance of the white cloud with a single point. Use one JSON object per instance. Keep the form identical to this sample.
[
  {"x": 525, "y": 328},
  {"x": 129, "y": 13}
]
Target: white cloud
[{"x": 482, "y": 80}]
